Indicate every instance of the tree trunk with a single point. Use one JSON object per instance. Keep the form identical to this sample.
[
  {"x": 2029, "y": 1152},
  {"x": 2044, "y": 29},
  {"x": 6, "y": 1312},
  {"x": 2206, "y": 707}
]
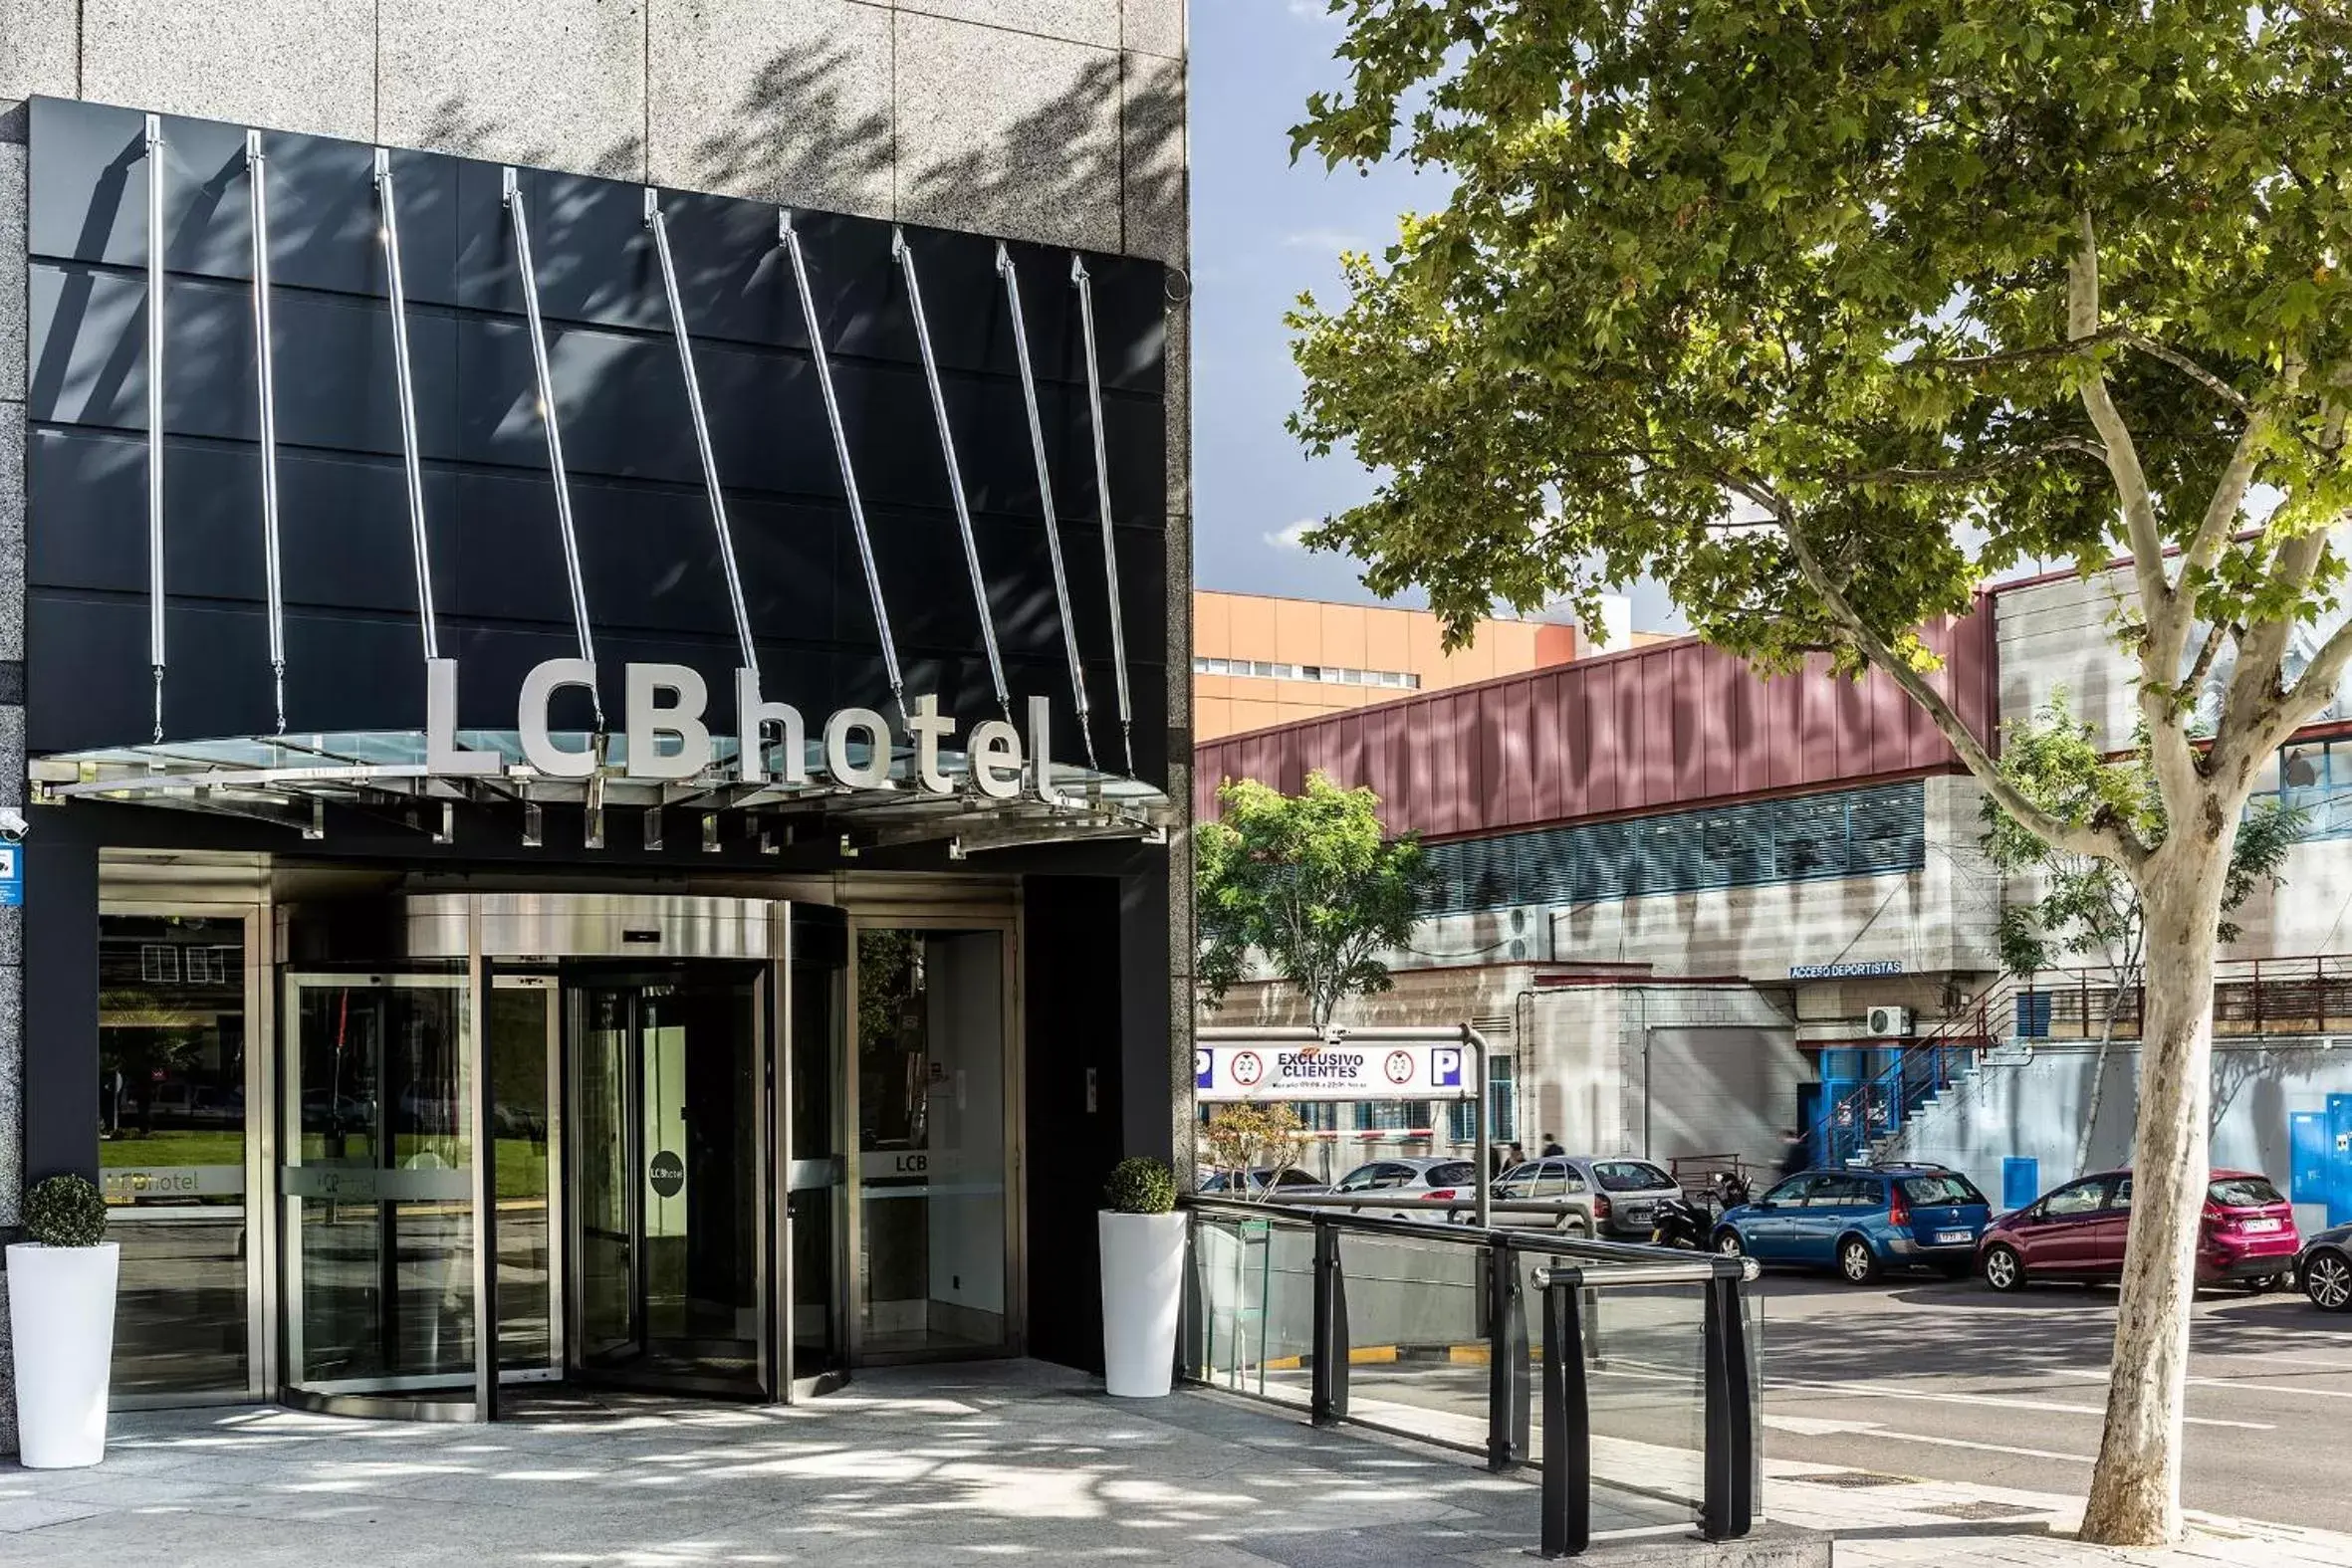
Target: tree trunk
[{"x": 2135, "y": 1497}]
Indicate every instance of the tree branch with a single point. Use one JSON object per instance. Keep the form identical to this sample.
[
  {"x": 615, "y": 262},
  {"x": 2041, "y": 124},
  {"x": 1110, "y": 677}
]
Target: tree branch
[
  {"x": 2086, "y": 838},
  {"x": 2165, "y": 634},
  {"x": 1972, "y": 471},
  {"x": 2183, "y": 363}
]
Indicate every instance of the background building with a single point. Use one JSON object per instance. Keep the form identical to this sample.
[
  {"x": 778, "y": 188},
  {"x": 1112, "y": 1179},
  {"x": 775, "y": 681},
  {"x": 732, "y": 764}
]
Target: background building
[
  {"x": 1703, "y": 908},
  {"x": 1260, "y": 661}
]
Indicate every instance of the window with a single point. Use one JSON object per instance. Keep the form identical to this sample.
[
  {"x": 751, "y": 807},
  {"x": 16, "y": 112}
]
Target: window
[
  {"x": 1929, "y": 1191},
  {"x": 1324, "y": 674},
  {"x": 1628, "y": 1175},
  {"x": 1453, "y": 1173},
  {"x": 2313, "y": 777},
  {"x": 1859, "y": 833},
  {"x": 158, "y": 965},
  {"x": 1844, "y": 1192},
  {"x": 2081, "y": 1199},
  {"x": 1502, "y": 1105},
  {"x": 2243, "y": 1192},
  {"x": 1393, "y": 1115},
  {"x": 1795, "y": 1190}
]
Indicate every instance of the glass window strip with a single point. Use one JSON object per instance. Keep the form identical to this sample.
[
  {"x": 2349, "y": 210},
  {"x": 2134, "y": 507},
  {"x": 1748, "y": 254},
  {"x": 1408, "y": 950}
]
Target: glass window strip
[{"x": 1866, "y": 832}]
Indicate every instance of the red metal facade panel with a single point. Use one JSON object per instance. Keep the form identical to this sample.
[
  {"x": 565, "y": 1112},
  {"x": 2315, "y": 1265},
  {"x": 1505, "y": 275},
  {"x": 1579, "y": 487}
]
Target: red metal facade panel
[{"x": 1650, "y": 729}]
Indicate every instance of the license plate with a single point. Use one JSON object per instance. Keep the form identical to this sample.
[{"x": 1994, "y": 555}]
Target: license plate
[
  {"x": 1637, "y": 1217},
  {"x": 2261, "y": 1225},
  {"x": 1953, "y": 1236}
]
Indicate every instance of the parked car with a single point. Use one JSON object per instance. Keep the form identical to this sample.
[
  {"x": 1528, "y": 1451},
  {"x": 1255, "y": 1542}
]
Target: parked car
[
  {"x": 2325, "y": 1268},
  {"x": 1625, "y": 1192},
  {"x": 1554, "y": 1180},
  {"x": 1862, "y": 1220},
  {"x": 1412, "y": 1180},
  {"x": 2076, "y": 1232},
  {"x": 1254, "y": 1183}
]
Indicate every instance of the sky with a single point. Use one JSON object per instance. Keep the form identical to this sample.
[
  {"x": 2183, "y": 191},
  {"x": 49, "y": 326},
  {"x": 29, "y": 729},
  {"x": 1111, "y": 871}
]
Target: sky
[{"x": 1263, "y": 231}]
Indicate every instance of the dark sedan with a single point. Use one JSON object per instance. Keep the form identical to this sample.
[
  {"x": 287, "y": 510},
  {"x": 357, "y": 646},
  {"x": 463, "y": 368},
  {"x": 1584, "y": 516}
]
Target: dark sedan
[{"x": 2325, "y": 1268}]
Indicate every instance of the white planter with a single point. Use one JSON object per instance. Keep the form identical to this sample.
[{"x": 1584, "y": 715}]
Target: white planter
[
  {"x": 1143, "y": 1293},
  {"x": 61, "y": 1324}
]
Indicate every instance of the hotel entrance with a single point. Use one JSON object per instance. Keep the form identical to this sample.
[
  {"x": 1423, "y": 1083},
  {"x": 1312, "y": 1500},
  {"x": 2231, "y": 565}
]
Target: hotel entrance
[{"x": 720, "y": 1146}]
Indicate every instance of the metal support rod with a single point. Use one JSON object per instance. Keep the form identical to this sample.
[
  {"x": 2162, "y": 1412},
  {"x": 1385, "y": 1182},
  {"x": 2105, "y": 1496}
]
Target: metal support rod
[
  {"x": 702, "y": 432},
  {"x": 1727, "y": 1510},
  {"x": 1110, "y": 555},
  {"x": 512, "y": 193},
  {"x": 265, "y": 378},
  {"x": 1507, "y": 1360},
  {"x": 413, "y": 462},
  {"x": 1037, "y": 447},
  {"x": 955, "y": 478},
  {"x": 1327, "y": 1397},
  {"x": 155, "y": 411},
  {"x": 833, "y": 418},
  {"x": 1568, "y": 1423}
]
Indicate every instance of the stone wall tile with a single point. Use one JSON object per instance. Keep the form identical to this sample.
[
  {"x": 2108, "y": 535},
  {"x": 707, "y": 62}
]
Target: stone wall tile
[
  {"x": 1078, "y": 21},
  {"x": 1155, "y": 27},
  {"x": 1008, "y": 134},
  {"x": 783, "y": 101},
  {"x": 285, "y": 65},
  {"x": 559, "y": 84},
  {"x": 37, "y": 49}
]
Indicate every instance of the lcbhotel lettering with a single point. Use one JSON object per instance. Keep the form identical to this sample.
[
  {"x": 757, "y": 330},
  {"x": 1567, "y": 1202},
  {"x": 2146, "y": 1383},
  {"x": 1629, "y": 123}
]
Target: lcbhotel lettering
[{"x": 668, "y": 737}]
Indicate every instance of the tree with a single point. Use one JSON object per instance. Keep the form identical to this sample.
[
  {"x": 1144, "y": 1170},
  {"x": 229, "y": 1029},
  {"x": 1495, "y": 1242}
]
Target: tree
[
  {"x": 1823, "y": 314},
  {"x": 1250, "y": 1137},
  {"x": 1308, "y": 881},
  {"x": 2088, "y": 908}
]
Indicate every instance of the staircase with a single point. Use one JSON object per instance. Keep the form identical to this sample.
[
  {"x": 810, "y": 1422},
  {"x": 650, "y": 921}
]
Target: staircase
[{"x": 1866, "y": 1125}]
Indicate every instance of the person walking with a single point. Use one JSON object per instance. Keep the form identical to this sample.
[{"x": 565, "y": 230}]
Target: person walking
[{"x": 1551, "y": 1146}]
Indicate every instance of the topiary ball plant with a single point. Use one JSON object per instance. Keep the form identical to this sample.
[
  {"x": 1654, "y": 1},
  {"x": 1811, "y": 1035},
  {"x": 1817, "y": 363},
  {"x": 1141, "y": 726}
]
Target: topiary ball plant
[
  {"x": 64, "y": 1211},
  {"x": 1140, "y": 1185}
]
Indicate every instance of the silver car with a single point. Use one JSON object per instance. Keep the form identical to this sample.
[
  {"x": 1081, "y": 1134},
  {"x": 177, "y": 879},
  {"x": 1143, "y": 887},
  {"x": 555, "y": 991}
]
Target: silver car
[
  {"x": 1412, "y": 1180},
  {"x": 1625, "y": 1192},
  {"x": 1552, "y": 1180}
]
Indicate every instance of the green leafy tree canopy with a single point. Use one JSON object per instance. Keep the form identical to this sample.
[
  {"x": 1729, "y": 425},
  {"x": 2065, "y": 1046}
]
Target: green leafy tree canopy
[{"x": 1307, "y": 880}]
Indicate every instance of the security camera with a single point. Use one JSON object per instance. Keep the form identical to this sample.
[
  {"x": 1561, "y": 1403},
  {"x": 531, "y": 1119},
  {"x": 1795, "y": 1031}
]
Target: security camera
[{"x": 13, "y": 826}]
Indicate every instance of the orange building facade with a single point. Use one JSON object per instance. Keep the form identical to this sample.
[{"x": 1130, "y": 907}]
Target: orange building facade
[{"x": 1260, "y": 661}]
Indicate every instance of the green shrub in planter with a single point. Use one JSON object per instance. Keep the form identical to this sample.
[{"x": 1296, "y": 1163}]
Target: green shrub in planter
[
  {"x": 1140, "y": 1185},
  {"x": 64, "y": 1211}
]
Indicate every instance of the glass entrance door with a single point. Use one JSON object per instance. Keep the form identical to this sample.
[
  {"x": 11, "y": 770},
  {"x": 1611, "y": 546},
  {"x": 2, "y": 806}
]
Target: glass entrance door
[
  {"x": 666, "y": 1096},
  {"x": 377, "y": 1185},
  {"x": 815, "y": 1163},
  {"x": 933, "y": 1117}
]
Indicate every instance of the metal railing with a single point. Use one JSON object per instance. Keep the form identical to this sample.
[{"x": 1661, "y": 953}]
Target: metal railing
[{"x": 1438, "y": 1317}]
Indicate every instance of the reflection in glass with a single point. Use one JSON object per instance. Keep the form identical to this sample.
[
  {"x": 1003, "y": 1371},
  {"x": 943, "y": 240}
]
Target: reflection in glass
[
  {"x": 381, "y": 1259},
  {"x": 171, "y": 1149},
  {"x": 931, "y": 1138},
  {"x": 519, "y": 1119}
]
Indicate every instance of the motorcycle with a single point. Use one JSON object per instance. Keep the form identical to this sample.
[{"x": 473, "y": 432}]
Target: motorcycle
[{"x": 1677, "y": 1221}]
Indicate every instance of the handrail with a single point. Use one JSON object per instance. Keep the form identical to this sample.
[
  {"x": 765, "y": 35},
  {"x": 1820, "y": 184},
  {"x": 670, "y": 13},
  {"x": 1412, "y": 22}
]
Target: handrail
[{"x": 1727, "y": 1507}]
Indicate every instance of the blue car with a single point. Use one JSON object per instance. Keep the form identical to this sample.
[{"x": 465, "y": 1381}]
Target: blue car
[{"x": 1861, "y": 1220}]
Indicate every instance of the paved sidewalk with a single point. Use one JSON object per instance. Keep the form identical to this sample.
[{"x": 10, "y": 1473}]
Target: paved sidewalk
[
  {"x": 1878, "y": 1521},
  {"x": 933, "y": 1464}
]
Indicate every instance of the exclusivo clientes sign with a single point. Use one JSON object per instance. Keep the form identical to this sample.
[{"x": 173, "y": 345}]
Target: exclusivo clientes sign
[
  {"x": 670, "y": 737},
  {"x": 1331, "y": 1073}
]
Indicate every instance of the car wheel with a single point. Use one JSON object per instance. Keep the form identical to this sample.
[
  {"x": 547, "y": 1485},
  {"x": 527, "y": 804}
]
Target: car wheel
[
  {"x": 1856, "y": 1261},
  {"x": 2003, "y": 1269},
  {"x": 1728, "y": 1242},
  {"x": 2327, "y": 1280}
]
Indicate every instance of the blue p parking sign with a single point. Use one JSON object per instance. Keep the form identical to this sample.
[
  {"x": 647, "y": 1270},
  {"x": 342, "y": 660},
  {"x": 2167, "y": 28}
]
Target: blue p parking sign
[{"x": 12, "y": 874}]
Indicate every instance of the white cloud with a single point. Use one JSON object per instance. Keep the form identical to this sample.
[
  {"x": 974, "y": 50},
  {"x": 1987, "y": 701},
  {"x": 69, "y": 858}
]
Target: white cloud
[
  {"x": 1329, "y": 241},
  {"x": 1294, "y": 537},
  {"x": 1312, "y": 10}
]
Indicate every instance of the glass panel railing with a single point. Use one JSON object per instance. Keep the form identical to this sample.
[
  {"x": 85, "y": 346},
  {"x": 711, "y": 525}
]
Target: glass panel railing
[
  {"x": 1249, "y": 1306},
  {"x": 1417, "y": 1336}
]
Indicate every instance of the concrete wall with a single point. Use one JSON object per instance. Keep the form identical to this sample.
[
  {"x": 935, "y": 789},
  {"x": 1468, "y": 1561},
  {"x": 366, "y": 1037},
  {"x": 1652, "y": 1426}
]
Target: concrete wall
[{"x": 2062, "y": 633}]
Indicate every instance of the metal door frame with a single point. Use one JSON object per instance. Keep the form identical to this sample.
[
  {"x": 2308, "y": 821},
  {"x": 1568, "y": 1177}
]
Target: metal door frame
[
  {"x": 557, "y": 1211},
  {"x": 261, "y": 1147},
  {"x": 634, "y": 976},
  {"x": 791, "y": 1388},
  {"x": 379, "y": 1397},
  {"x": 946, "y": 918}
]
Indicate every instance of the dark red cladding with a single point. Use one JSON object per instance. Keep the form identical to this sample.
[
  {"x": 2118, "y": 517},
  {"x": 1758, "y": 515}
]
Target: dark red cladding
[{"x": 1649, "y": 729}]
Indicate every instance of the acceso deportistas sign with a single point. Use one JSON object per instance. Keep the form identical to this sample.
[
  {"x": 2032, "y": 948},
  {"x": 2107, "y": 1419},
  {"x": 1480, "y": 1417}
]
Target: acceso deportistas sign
[{"x": 1331, "y": 1073}]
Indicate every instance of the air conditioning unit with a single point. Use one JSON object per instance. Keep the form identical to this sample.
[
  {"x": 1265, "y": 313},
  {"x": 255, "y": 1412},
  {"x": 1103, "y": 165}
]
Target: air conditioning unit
[{"x": 1886, "y": 1023}]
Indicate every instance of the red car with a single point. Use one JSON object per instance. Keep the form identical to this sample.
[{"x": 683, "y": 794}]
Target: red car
[{"x": 2076, "y": 1232}]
